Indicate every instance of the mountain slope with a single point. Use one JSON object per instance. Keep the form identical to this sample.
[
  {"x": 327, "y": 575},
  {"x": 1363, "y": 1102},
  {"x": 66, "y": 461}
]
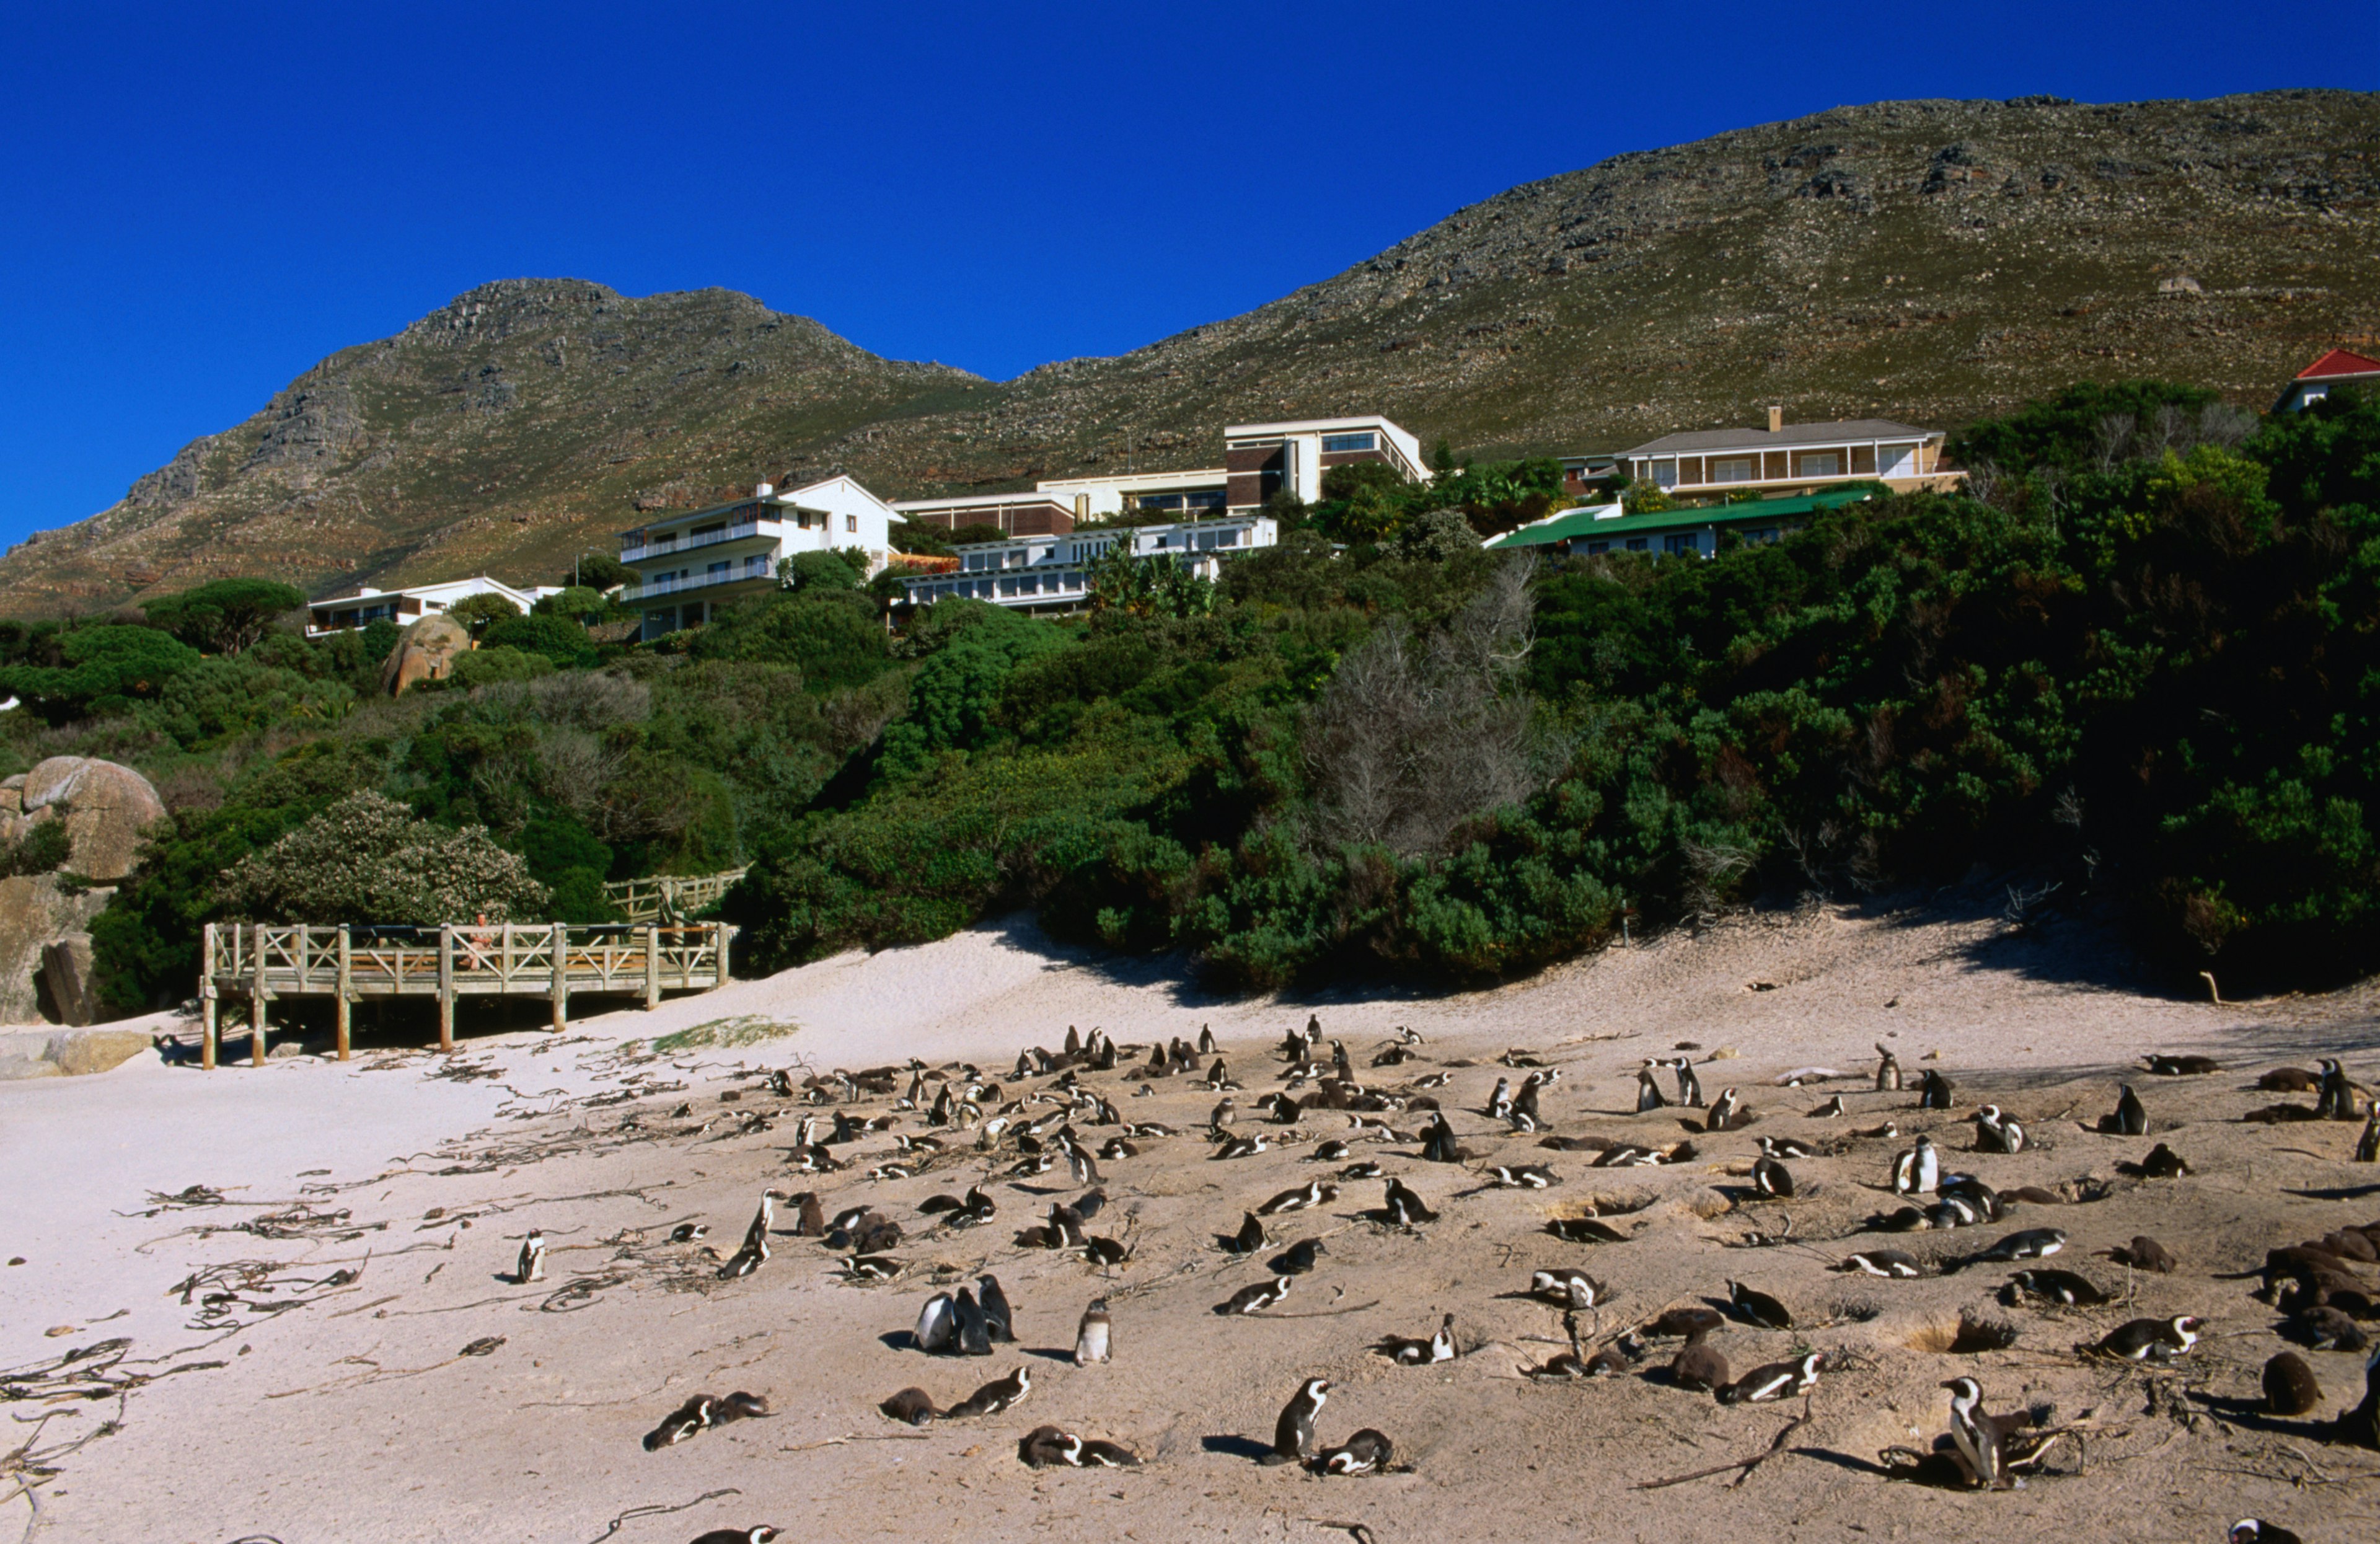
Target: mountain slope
[{"x": 1928, "y": 261}]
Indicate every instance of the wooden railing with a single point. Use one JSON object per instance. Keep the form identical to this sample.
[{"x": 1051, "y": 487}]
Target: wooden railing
[
  {"x": 644, "y": 900},
  {"x": 262, "y": 961}
]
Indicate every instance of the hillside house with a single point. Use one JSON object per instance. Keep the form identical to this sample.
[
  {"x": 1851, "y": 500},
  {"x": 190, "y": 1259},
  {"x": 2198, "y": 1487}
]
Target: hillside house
[
  {"x": 1262, "y": 460},
  {"x": 1051, "y": 573},
  {"x": 1788, "y": 459},
  {"x": 360, "y": 607},
  {"x": 1012, "y": 513},
  {"x": 1596, "y": 529},
  {"x": 688, "y": 565},
  {"x": 2337, "y": 368}
]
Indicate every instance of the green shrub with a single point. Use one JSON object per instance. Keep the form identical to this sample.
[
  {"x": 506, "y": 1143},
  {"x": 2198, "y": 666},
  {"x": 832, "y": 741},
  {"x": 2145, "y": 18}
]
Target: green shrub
[{"x": 42, "y": 850}]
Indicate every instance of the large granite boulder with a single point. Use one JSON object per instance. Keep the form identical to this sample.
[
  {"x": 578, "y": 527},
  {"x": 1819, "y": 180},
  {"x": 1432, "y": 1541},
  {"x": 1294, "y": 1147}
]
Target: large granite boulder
[
  {"x": 68, "y": 980},
  {"x": 426, "y": 652},
  {"x": 36, "y": 911},
  {"x": 69, "y": 1052},
  {"x": 106, "y": 808}
]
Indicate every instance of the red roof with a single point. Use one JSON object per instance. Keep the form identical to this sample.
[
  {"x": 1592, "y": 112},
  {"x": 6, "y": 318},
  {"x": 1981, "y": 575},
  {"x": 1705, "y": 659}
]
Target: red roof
[{"x": 2338, "y": 361}]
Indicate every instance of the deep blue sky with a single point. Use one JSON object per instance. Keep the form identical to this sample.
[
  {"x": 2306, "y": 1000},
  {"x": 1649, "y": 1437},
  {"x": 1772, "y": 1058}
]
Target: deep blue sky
[{"x": 197, "y": 202}]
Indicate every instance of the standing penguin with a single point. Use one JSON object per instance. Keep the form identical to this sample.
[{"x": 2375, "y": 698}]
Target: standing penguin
[
  {"x": 1523, "y": 1113},
  {"x": 1998, "y": 1133},
  {"x": 2336, "y": 1101},
  {"x": 974, "y": 1329},
  {"x": 1094, "y": 1339},
  {"x": 1649, "y": 1093},
  {"x": 531, "y": 1266},
  {"x": 1500, "y": 1104},
  {"x": 1723, "y": 1113},
  {"x": 998, "y": 1320},
  {"x": 936, "y": 1323},
  {"x": 1935, "y": 1092},
  {"x": 1888, "y": 1070},
  {"x": 1690, "y": 1088},
  {"x": 2131, "y": 1117},
  {"x": 1981, "y": 1440},
  {"x": 1206, "y": 1040},
  {"x": 1292, "y": 1435},
  {"x": 2367, "y": 1146},
  {"x": 1404, "y": 1208},
  {"x": 1917, "y": 1170}
]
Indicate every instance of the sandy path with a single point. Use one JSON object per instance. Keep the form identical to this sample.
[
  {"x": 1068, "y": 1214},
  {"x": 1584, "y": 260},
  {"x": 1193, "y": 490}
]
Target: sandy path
[{"x": 353, "y": 1418}]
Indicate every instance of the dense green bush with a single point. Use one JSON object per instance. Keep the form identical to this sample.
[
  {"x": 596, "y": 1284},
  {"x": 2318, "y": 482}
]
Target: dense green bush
[{"x": 2137, "y": 659}]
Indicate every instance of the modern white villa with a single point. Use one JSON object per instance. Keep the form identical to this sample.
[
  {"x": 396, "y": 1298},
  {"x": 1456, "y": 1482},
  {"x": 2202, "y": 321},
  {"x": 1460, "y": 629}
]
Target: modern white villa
[
  {"x": 346, "y": 609},
  {"x": 688, "y": 565},
  {"x": 1052, "y": 572},
  {"x": 1785, "y": 460}
]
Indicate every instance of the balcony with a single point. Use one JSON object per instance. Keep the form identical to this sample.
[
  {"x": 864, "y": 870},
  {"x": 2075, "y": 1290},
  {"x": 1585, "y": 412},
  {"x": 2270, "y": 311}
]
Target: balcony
[
  {"x": 674, "y": 544},
  {"x": 738, "y": 573}
]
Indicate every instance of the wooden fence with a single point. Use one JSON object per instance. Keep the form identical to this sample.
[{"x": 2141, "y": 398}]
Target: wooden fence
[
  {"x": 261, "y": 962},
  {"x": 644, "y": 900}
]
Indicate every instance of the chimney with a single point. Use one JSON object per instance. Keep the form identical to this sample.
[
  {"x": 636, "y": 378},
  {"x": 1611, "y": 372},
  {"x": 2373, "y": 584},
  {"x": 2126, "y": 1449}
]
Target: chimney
[
  {"x": 765, "y": 489},
  {"x": 1775, "y": 419}
]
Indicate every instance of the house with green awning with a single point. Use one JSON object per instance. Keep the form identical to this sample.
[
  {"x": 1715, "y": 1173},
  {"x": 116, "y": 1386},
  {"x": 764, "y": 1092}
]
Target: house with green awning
[{"x": 1598, "y": 528}]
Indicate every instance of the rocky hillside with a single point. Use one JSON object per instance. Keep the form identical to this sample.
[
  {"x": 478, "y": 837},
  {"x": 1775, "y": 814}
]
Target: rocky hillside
[{"x": 1929, "y": 261}]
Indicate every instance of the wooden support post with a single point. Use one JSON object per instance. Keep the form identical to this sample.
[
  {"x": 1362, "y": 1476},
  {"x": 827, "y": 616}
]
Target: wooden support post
[
  {"x": 560, "y": 994},
  {"x": 347, "y": 984},
  {"x": 719, "y": 956},
  {"x": 446, "y": 987},
  {"x": 208, "y": 1003},
  {"x": 256, "y": 1002},
  {"x": 652, "y": 966}
]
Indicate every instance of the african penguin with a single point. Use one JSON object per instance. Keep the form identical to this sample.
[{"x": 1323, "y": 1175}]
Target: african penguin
[
  {"x": 1094, "y": 1339},
  {"x": 2057, "y": 1286},
  {"x": 1690, "y": 1088},
  {"x": 762, "y": 1535},
  {"x": 531, "y": 1266},
  {"x": 1312, "y": 1194},
  {"x": 2131, "y": 1118},
  {"x": 1365, "y": 1452},
  {"x": 2254, "y": 1530},
  {"x": 997, "y": 1317},
  {"x": 1888, "y": 1070},
  {"x": 680, "y": 1423},
  {"x": 1500, "y": 1104},
  {"x": 1649, "y": 1093},
  {"x": 1298, "y": 1259},
  {"x": 2151, "y": 1340},
  {"x": 1772, "y": 1178},
  {"x": 1891, "y": 1264},
  {"x": 937, "y": 1323},
  {"x": 1044, "y": 1445},
  {"x": 1776, "y": 1380},
  {"x": 1404, "y": 1208},
  {"x": 1255, "y": 1298},
  {"x": 1982, "y": 1442},
  {"x": 1000, "y": 1393},
  {"x": 1758, "y": 1307},
  {"x": 1248, "y": 1240},
  {"x": 1293, "y": 1434},
  {"x": 1996, "y": 1131},
  {"x": 1698, "y": 1365},
  {"x": 974, "y": 1329},
  {"x": 1439, "y": 1347},
  {"x": 1829, "y": 1111},
  {"x": 1917, "y": 1170},
  {"x": 1569, "y": 1289},
  {"x": 2336, "y": 1101},
  {"x": 1935, "y": 1092},
  {"x": 2289, "y": 1385}
]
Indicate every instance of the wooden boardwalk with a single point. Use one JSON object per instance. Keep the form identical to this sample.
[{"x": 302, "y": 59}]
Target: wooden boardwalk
[
  {"x": 644, "y": 900},
  {"x": 259, "y": 963}
]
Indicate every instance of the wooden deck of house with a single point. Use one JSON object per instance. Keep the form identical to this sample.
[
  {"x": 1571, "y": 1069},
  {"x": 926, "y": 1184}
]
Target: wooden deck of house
[{"x": 259, "y": 963}]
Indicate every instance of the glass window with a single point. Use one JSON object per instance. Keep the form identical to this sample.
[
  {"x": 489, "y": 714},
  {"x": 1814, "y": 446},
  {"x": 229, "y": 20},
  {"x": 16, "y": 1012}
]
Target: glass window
[
  {"x": 851, "y": 522},
  {"x": 1160, "y": 501},
  {"x": 1349, "y": 442},
  {"x": 1638, "y": 545},
  {"x": 1211, "y": 499},
  {"x": 1819, "y": 463},
  {"x": 1736, "y": 470},
  {"x": 1682, "y": 541},
  {"x": 1665, "y": 474},
  {"x": 1597, "y": 549}
]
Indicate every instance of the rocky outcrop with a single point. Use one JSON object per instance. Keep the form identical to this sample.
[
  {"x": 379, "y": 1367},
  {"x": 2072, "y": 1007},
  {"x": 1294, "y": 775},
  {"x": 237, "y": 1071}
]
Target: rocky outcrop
[
  {"x": 69, "y": 1052},
  {"x": 68, "y": 980},
  {"x": 427, "y": 652},
  {"x": 35, "y": 912},
  {"x": 106, "y": 809}
]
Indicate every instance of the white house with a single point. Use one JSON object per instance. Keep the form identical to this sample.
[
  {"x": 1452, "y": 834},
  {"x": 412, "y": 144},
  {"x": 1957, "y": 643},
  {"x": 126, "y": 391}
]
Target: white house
[
  {"x": 360, "y": 608},
  {"x": 1262, "y": 460},
  {"x": 688, "y": 565},
  {"x": 1052, "y": 572}
]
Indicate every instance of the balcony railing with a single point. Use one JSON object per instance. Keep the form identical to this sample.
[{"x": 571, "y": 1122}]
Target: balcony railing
[
  {"x": 677, "y": 544},
  {"x": 736, "y": 573}
]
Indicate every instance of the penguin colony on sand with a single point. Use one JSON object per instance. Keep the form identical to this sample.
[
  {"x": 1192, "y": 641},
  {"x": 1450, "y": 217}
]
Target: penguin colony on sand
[{"x": 2321, "y": 1286}]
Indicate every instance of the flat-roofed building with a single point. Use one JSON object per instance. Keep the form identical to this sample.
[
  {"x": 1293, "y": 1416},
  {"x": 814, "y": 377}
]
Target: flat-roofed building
[
  {"x": 1791, "y": 458},
  {"x": 1054, "y": 573},
  {"x": 1188, "y": 495},
  {"x": 361, "y": 607},
  {"x": 1262, "y": 460},
  {"x": 688, "y": 565},
  {"x": 1013, "y": 514}
]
